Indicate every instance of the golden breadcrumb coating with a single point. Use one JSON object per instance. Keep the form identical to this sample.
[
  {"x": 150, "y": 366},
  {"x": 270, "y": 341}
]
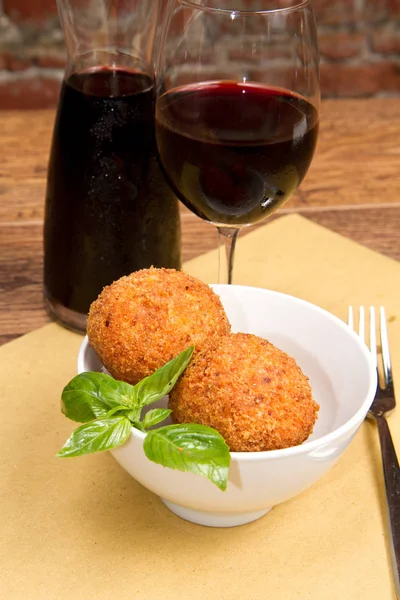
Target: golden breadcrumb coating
[
  {"x": 143, "y": 320},
  {"x": 254, "y": 394}
]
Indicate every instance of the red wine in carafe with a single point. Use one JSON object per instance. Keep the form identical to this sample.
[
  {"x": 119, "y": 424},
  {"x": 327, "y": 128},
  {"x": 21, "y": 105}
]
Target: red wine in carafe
[{"x": 109, "y": 210}]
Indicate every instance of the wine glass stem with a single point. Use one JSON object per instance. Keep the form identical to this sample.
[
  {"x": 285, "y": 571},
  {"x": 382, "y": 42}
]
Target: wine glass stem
[{"x": 227, "y": 237}]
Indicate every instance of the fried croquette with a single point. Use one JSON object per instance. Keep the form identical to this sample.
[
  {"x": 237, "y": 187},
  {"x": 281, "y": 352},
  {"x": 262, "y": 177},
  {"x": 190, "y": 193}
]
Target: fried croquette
[
  {"x": 143, "y": 320},
  {"x": 254, "y": 394}
]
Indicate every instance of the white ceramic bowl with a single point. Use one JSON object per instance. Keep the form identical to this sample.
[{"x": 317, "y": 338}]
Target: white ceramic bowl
[{"x": 342, "y": 375}]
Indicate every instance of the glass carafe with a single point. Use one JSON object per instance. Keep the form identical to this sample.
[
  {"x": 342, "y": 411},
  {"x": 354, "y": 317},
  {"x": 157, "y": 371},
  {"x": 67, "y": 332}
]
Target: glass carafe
[{"x": 108, "y": 210}]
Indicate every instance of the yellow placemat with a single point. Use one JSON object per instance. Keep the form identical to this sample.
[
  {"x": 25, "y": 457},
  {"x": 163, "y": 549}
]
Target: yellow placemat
[{"x": 84, "y": 529}]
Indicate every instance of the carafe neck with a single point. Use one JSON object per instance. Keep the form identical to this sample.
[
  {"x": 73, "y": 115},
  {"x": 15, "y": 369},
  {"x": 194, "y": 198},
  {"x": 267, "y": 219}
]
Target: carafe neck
[{"x": 109, "y": 33}]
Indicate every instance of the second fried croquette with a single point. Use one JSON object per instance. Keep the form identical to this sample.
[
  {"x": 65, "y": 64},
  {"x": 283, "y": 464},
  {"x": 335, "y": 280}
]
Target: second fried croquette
[
  {"x": 143, "y": 320},
  {"x": 254, "y": 394}
]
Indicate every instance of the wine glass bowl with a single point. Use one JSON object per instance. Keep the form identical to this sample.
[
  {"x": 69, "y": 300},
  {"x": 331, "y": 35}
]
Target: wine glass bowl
[{"x": 237, "y": 104}]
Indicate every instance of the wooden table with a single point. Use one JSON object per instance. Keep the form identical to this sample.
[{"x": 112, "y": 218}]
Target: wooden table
[{"x": 353, "y": 188}]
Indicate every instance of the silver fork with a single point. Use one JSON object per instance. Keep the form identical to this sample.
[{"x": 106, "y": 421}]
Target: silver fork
[{"x": 383, "y": 403}]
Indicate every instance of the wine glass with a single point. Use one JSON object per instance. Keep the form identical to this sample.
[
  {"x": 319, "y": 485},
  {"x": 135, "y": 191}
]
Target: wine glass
[{"x": 237, "y": 104}]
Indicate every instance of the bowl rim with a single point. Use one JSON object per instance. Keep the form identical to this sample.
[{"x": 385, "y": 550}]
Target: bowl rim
[{"x": 307, "y": 446}]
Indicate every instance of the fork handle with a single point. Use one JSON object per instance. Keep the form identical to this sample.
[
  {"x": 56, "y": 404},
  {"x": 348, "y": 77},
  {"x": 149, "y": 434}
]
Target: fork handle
[{"x": 391, "y": 473}]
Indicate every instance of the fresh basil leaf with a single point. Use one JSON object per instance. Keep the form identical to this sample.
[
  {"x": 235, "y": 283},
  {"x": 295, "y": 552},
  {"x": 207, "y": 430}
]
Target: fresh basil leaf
[
  {"x": 134, "y": 415},
  {"x": 138, "y": 425},
  {"x": 120, "y": 411},
  {"x": 154, "y": 416},
  {"x": 190, "y": 447},
  {"x": 156, "y": 386},
  {"x": 97, "y": 436},
  {"x": 92, "y": 395}
]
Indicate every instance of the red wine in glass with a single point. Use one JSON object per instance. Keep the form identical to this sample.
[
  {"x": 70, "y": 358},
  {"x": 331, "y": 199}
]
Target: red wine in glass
[
  {"x": 234, "y": 152},
  {"x": 109, "y": 210}
]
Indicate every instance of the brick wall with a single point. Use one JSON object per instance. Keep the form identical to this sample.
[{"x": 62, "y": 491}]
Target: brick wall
[{"x": 359, "y": 45}]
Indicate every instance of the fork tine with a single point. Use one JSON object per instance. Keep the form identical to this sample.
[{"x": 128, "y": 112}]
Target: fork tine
[
  {"x": 350, "y": 318},
  {"x": 387, "y": 366},
  {"x": 361, "y": 324},
  {"x": 372, "y": 335}
]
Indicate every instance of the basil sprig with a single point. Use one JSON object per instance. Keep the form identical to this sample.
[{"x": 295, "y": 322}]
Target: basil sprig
[{"x": 108, "y": 409}]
